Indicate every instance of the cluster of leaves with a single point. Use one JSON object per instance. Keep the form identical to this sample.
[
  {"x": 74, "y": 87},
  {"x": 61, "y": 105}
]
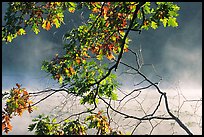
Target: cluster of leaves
[
  {"x": 82, "y": 77},
  {"x": 44, "y": 125},
  {"x": 99, "y": 122},
  {"x": 83, "y": 67},
  {"x": 21, "y": 15},
  {"x": 114, "y": 16},
  {"x": 17, "y": 102},
  {"x": 165, "y": 13}
]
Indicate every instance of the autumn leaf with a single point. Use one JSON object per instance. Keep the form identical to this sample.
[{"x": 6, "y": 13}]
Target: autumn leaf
[
  {"x": 57, "y": 76},
  {"x": 107, "y": 24},
  {"x": 124, "y": 23},
  {"x": 99, "y": 112},
  {"x": 6, "y": 130},
  {"x": 7, "y": 119},
  {"x": 105, "y": 10},
  {"x": 71, "y": 70},
  {"x": 110, "y": 56},
  {"x": 21, "y": 32},
  {"x": 30, "y": 110},
  {"x": 19, "y": 111},
  {"x": 9, "y": 126},
  {"x": 18, "y": 85},
  {"x": 56, "y": 22},
  {"x": 78, "y": 60},
  {"x": 95, "y": 10},
  {"x": 3, "y": 125},
  {"x": 71, "y": 9},
  {"x": 25, "y": 93},
  {"x": 46, "y": 25}
]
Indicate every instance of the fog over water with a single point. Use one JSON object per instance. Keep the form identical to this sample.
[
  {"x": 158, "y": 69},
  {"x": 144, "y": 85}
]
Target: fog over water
[{"x": 176, "y": 54}]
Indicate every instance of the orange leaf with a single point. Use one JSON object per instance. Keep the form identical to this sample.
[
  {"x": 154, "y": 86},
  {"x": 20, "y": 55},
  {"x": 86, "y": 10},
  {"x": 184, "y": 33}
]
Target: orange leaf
[
  {"x": 125, "y": 49},
  {"x": 107, "y": 24},
  {"x": 105, "y": 9},
  {"x": 124, "y": 23},
  {"x": 78, "y": 60},
  {"x": 99, "y": 112},
  {"x": 48, "y": 26},
  {"x": 30, "y": 110},
  {"x": 3, "y": 125},
  {"x": 19, "y": 111},
  {"x": 7, "y": 119},
  {"x": 110, "y": 56},
  {"x": 71, "y": 70},
  {"x": 25, "y": 92},
  {"x": 9, "y": 126},
  {"x": 95, "y": 10}
]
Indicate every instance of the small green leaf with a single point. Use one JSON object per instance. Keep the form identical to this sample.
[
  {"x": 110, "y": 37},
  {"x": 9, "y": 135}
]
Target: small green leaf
[
  {"x": 164, "y": 21},
  {"x": 154, "y": 25},
  {"x": 172, "y": 22},
  {"x": 114, "y": 96},
  {"x": 99, "y": 57},
  {"x": 31, "y": 127},
  {"x": 72, "y": 4}
]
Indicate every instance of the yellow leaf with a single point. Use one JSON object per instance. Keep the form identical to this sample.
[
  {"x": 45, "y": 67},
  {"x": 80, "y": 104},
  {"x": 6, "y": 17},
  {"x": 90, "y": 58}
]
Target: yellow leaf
[
  {"x": 60, "y": 79},
  {"x": 56, "y": 22},
  {"x": 21, "y": 31},
  {"x": 9, "y": 38},
  {"x": 95, "y": 10},
  {"x": 44, "y": 24}
]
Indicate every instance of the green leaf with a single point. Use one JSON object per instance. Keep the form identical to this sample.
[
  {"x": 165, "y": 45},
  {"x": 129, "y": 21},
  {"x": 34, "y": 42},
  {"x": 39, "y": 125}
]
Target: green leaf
[
  {"x": 114, "y": 96},
  {"x": 73, "y": 4},
  {"x": 35, "y": 29},
  {"x": 31, "y": 127},
  {"x": 9, "y": 38},
  {"x": 154, "y": 25},
  {"x": 99, "y": 57},
  {"x": 172, "y": 22},
  {"x": 164, "y": 21}
]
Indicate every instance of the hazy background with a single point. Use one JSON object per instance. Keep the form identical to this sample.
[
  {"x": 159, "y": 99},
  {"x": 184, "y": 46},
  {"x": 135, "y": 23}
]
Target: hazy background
[{"x": 175, "y": 52}]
